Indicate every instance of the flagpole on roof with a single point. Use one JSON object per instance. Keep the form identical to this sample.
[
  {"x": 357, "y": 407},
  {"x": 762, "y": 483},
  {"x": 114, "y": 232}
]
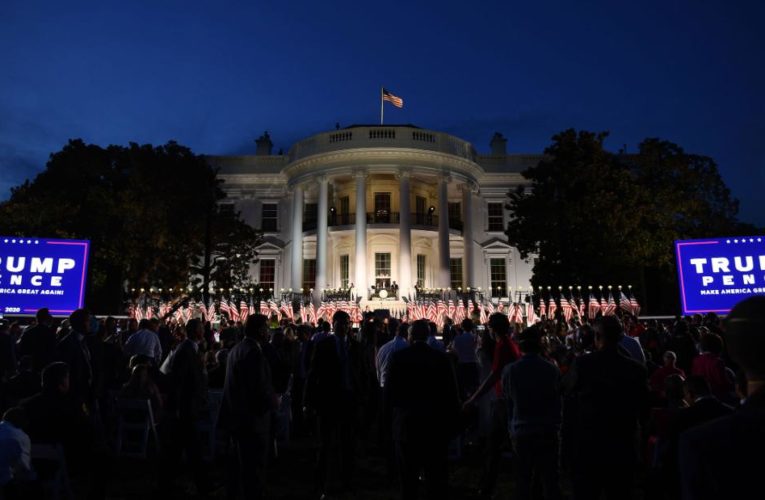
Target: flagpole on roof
[{"x": 382, "y": 105}]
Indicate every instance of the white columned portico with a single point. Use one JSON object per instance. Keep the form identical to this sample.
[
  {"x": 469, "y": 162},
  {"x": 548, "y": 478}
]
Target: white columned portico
[
  {"x": 297, "y": 237},
  {"x": 443, "y": 232},
  {"x": 467, "y": 233},
  {"x": 361, "y": 234},
  {"x": 405, "y": 236},
  {"x": 321, "y": 236}
]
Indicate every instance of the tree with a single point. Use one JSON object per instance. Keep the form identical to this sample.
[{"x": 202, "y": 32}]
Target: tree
[
  {"x": 595, "y": 217},
  {"x": 143, "y": 207}
]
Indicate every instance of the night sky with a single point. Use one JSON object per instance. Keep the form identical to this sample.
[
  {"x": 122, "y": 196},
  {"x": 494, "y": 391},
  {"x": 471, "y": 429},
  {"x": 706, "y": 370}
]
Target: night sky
[{"x": 215, "y": 75}]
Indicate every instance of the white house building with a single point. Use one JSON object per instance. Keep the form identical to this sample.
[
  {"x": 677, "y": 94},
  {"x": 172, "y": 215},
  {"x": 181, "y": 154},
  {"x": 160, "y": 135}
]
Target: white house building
[{"x": 367, "y": 206}]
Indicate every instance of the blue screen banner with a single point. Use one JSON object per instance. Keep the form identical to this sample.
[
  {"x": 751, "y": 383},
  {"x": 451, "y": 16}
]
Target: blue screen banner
[
  {"x": 717, "y": 273},
  {"x": 37, "y": 272}
]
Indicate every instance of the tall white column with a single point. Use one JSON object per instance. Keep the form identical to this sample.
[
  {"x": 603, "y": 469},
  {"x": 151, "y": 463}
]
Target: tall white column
[
  {"x": 361, "y": 234},
  {"x": 321, "y": 236},
  {"x": 405, "y": 236},
  {"x": 467, "y": 233},
  {"x": 443, "y": 232},
  {"x": 297, "y": 237}
]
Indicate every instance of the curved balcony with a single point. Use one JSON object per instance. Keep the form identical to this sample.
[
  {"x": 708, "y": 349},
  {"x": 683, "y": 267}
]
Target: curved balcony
[{"x": 376, "y": 136}]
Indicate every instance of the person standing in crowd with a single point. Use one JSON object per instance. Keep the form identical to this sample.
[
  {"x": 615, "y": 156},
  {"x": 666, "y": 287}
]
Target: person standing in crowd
[
  {"x": 611, "y": 394},
  {"x": 532, "y": 386},
  {"x": 145, "y": 341},
  {"x": 505, "y": 352},
  {"x": 632, "y": 347},
  {"x": 464, "y": 346},
  {"x": 433, "y": 341},
  {"x": 660, "y": 375},
  {"x": 15, "y": 455},
  {"x": 710, "y": 365},
  {"x": 334, "y": 389},
  {"x": 423, "y": 403},
  {"x": 723, "y": 458},
  {"x": 74, "y": 351},
  {"x": 39, "y": 341},
  {"x": 7, "y": 352},
  {"x": 385, "y": 353},
  {"x": 248, "y": 400},
  {"x": 185, "y": 401}
]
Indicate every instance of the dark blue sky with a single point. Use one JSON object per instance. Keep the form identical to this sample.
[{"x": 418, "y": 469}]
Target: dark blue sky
[{"x": 215, "y": 75}]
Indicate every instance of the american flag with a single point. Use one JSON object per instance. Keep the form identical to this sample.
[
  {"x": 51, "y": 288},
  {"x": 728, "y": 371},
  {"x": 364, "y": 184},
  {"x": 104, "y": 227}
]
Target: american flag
[
  {"x": 303, "y": 314},
  {"x": 603, "y": 304},
  {"x": 470, "y": 309},
  {"x": 264, "y": 309},
  {"x": 635, "y": 305},
  {"x": 593, "y": 307},
  {"x": 202, "y": 309},
  {"x": 395, "y": 100},
  {"x": 565, "y": 306},
  {"x": 251, "y": 308},
  {"x": 542, "y": 307},
  {"x": 233, "y": 312},
  {"x": 481, "y": 314},
  {"x": 211, "y": 311},
  {"x": 581, "y": 307},
  {"x": 244, "y": 311},
  {"x": 489, "y": 308},
  {"x": 531, "y": 316},
  {"x": 624, "y": 302},
  {"x": 551, "y": 308},
  {"x": 432, "y": 312},
  {"x": 517, "y": 314},
  {"x": 224, "y": 307},
  {"x": 460, "y": 311},
  {"x": 611, "y": 307},
  {"x": 451, "y": 309},
  {"x": 312, "y": 316},
  {"x": 410, "y": 310},
  {"x": 275, "y": 309},
  {"x": 321, "y": 311}
]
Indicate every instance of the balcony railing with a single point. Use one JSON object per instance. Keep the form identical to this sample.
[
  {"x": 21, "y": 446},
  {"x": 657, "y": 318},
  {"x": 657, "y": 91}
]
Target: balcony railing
[{"x": 380, "y": 217}]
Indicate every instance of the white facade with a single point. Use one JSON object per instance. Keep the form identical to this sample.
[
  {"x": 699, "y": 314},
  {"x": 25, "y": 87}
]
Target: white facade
[{"x": 433, "y": 211}]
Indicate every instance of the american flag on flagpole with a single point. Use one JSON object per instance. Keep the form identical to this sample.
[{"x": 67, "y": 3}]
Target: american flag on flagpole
[
  {"x": 565, "y": 306},
  {"x": 542, "y": 307},
  {"x": 393, "y": 99},
  {"x": 635, "y": 305},
  {"x": 624, "y": 302},
  {"x": 243, "y": 310},
  {"x": 611, "y": 306},
  {"x": 224, "y": 307},
  {"x": 211, "y": 311},
  {"x": 264, "y": 309},
  {"x": 551, "y": 308},
  {"x": 312, "y": 313},
  {"x": 531, "y": 316},
  {"x": 593, "y": 307}
]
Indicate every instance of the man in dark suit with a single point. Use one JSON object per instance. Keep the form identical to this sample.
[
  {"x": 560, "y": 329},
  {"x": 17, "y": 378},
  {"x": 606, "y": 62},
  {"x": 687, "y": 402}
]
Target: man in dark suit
[
  {"x": 723, "y": 458},
  {"x": 73, "y": 350},
  {"x": 248, "y": 399},
  {"x": 335, "y": 390},
  {"x": 422, "y": 400},
  {"x": 53, "y": 417},
  {"x": 39, "y": 341},
  {"x": 610, "y": 392},
  {"x": 186, "y": 399}
]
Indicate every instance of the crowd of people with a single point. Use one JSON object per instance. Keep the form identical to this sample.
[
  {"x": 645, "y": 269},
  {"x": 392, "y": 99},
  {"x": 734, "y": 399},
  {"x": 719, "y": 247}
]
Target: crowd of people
[{"x": 673, "y": 409}]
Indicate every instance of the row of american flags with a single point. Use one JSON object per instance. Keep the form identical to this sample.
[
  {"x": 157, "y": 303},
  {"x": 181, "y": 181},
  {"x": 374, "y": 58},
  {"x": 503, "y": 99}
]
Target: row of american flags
[{"x": 436, "y": 311}]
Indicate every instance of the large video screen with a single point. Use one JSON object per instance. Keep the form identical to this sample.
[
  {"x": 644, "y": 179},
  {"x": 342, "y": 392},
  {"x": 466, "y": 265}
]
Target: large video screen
[
  {"x": 717, "y": 273},
  {"x": 37, "y": 272}
]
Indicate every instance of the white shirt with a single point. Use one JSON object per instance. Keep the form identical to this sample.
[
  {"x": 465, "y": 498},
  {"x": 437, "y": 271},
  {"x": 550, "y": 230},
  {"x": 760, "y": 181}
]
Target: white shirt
[
  {"x": 384, "y": 355},
  {"x": 15, "y": 452},
  {"x": 145, "y": 343}
]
